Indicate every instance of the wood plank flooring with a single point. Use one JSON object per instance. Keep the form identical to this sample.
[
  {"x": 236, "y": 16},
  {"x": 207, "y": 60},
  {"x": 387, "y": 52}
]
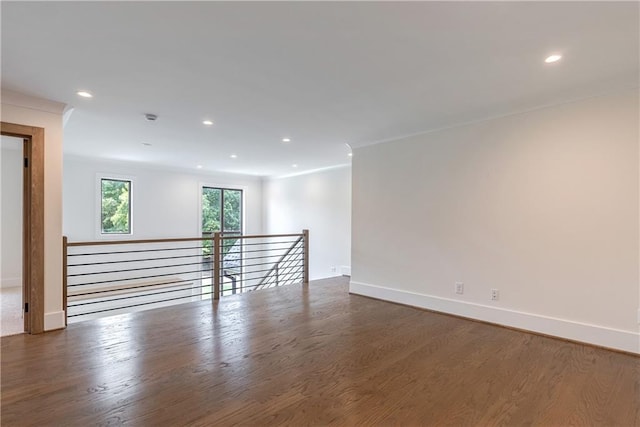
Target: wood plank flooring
[{"x": 309, "y": 356}]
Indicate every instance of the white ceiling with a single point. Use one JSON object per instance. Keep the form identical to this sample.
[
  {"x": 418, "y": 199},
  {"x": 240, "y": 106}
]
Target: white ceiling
[{"x": 322, "y": 73}]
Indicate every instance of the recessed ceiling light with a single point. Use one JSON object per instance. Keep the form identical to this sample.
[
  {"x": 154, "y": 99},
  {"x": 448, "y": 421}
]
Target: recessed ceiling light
[
  {"x": 286, "y": 139},
  {"x": 146, "y": 144},
  {"x": 234, "y": 156},
  {"x": 350, "y": 154},
  {"x": 84, "y": 94},
  {"x": 553, "y": 58},
  {"x": 207, "y": 122},
  {"x": 294, "y": 165},
  {"x": 199, "y": 166}
]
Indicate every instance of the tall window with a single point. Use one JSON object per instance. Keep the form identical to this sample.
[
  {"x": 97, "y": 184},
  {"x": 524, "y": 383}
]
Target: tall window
[
  {"x": 221, "y": 211},
  {"x": 115, "y": 217}
]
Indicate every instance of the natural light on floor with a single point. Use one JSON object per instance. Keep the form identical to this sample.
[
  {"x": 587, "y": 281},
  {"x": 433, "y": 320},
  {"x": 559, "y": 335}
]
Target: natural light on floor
[
  {"x": 10, "y": 302},
  {"x": 199, "y": 291}
]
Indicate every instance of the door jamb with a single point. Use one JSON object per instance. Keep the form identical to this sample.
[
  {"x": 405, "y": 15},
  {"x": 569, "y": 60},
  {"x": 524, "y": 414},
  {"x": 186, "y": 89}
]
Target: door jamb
[{"x": 33, "y": 222}]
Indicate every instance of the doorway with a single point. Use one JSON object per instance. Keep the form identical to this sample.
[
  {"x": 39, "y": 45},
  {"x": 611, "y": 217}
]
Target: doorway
[
  {"x": 11, "y": 269},
  {"x": 32, "y": 165}
]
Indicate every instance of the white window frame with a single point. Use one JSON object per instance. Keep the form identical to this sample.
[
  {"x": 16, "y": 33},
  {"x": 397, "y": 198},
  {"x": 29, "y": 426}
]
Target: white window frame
[{"x": 98, "y": 212}]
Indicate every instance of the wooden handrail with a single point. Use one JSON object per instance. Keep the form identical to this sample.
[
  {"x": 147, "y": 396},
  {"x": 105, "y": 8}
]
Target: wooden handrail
[
  {"x": 181, "y": 239},
  {"x": 260, "y": 236},
  {"x": 127, "y": 242}
]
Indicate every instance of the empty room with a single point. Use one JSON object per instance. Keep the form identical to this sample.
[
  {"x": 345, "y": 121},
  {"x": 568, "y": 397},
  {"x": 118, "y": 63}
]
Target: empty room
[{"x": 320, "y": 213}]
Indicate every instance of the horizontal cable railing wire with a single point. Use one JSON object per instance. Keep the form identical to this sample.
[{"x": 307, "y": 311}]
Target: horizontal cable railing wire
[
  {"x": 112, "y": 277},
  {"x": 279, "y": 272}
]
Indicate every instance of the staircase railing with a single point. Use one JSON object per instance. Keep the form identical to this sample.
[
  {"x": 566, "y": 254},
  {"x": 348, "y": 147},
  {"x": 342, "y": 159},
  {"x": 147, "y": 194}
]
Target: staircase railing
[
  {"x": 112, "y": 277},
  {"x": 288, "y": 269}
]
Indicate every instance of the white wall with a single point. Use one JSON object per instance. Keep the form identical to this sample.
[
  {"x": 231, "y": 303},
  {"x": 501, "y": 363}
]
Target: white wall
[
  {"x": 543, "y": 206},
  {"x": 25, "y": 110},
  {"x": 320, "y": 202},
  {"x": 11, "y": 208},
  {"x": 165, "y": 202}
]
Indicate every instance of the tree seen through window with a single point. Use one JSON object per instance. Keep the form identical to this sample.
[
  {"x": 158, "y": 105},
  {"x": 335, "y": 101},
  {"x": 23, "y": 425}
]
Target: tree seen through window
[
  {"x": 115, "y": 215},
  {"x": 221, "y": 211}
]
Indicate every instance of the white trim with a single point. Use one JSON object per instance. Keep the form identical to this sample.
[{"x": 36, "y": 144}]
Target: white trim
[
  {"x": 98, "y": 212},
  {"x": 498, "y": 116},
  {"x": 54, "y": 320},
  {"x": 577, "y": 331},
  {"x": 308, "y": 172}
]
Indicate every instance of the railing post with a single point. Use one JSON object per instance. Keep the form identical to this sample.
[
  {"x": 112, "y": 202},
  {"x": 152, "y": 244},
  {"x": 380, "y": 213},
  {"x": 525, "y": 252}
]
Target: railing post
[
  {"x": 277, "y": 275},
  {"x": 305, "y": 261},
  {"x": 216, "y": 264},
  {"x": 64, "y": 278}
]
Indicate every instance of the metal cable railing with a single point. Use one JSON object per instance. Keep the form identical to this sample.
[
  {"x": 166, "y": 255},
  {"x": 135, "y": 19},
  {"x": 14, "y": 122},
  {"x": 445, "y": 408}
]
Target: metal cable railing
[
  {"x": 288, "y": 269},
  {"x": 112, "y": 277}
]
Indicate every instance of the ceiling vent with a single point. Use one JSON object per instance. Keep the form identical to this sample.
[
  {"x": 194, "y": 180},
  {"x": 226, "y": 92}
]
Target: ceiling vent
[{"x": 151, "y": 117}]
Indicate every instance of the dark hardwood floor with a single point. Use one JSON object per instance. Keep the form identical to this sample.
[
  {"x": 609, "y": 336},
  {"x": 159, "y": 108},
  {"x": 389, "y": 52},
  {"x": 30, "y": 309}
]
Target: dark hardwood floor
[{"x": 309, "y": 356}]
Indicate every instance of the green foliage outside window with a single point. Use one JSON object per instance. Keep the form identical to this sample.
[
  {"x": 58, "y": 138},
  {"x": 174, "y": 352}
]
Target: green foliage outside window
[
  {"x": 116, "y": 206},
  {"x": 232, "y": 211},
  {"x": 216, "y": 215},
  {"x": 211, "y": 204}
]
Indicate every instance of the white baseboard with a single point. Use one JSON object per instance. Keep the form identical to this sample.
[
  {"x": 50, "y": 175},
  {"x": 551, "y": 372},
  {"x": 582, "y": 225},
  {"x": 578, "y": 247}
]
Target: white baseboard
[
  {"x": 11, "y": 282},
  {"x": 345, "y": 270},
  {"x": 593, "y": 334},
  {"x": 54, "y": 320}
]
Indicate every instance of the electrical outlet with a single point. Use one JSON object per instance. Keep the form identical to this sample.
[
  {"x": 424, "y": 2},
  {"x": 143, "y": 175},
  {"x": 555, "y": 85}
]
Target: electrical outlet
[
  {"x": 459, "y": 288},
  {"x": 333, "y": 269},
  {"x": 495, "y": 294}
]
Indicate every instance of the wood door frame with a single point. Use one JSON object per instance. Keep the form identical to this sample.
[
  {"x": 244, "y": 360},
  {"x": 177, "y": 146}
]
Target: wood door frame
[{"x": 32, "y": 222}]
